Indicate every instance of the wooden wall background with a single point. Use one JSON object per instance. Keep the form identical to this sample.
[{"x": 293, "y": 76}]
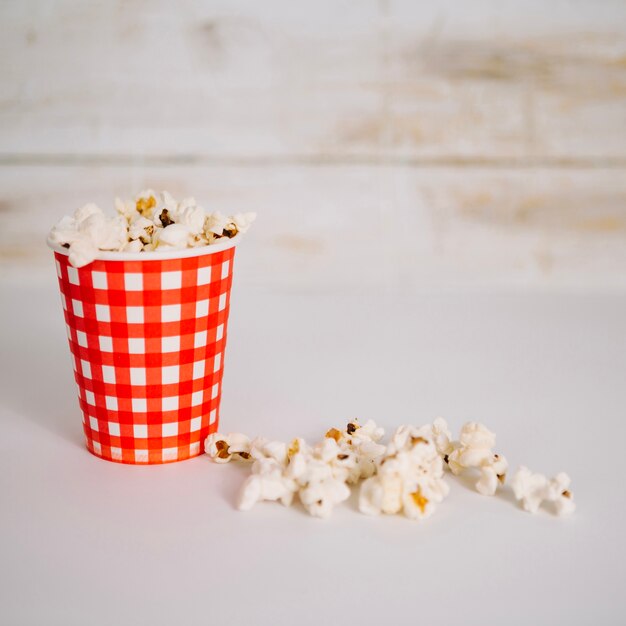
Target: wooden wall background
[{"x": 390, "y": 143}]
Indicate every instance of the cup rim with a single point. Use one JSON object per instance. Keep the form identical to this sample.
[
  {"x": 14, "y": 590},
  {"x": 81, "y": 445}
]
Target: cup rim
[{"x": 156, "y": 255}]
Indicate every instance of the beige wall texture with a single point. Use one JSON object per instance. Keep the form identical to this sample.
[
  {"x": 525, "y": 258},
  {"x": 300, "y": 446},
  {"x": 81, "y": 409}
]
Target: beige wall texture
[{"x": 388, "y": 145}]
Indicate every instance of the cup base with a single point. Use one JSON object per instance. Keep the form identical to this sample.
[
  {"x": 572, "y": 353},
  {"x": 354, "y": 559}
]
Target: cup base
[{"x": 145, "y": 457}]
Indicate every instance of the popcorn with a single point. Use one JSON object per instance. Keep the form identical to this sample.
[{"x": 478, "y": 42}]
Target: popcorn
[
  {"x": 474, "y": 451},
  {"x": 145, "y": 201},
  {"x": 339, "y": 458},
  {"x": 216, "y": 224},
  {"x": 366, "y": 432},
  {"x": 441, "y": 436},
  {"x": 409, "y": 477},
  {"x": 222, "y": 448},
  {"x": 262, "y": 449},
  {"x": 534, "y": 489},
  {"x": 82, "y": 251},
  {"x": 388, "y": 490},
  {"x": 169, "y": 202},
  {"x": 86, "y": 212},
  {"x": 157, "y": 222},
  {"x": 372, "y": 495},
  {"x": 127, "y": 208},
  {"x": 419, "y": 500},
  {"x": 133, "y": 246},
  {"x": 105, "y": 233},
  {"x": 88, "y": 231},
  {"x": 320, "y": 473},
  {"x": 360, "y": 442},
  {"x": 317, "y": 474},
  {"x": 405, "y": 476},
  {"x": 141, "y": 228},
  {"x": 65, "y": 232},
  {"x": 193, "y": 218},
  {"x": 492, "y": 473},
  {"x": 267, "y": 482},
  {"x": 320, "y": 496},
  {"x": 174, "y": 236},
  {"x": 243, "y": 221}
]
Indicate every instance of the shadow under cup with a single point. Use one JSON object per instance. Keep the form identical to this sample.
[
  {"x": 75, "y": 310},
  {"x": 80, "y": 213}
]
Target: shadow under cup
[{"x": 147, "y": 333}]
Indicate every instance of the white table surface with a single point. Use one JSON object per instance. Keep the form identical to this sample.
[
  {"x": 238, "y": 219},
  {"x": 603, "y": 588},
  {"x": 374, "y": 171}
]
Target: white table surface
[{"x": 83, "y": 541}]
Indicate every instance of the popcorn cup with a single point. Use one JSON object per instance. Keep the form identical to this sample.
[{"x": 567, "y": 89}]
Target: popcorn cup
[{"x": 147, "y": 333}]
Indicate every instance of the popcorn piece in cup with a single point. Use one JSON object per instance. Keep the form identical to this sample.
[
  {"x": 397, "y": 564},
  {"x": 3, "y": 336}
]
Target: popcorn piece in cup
[
  {"x": 145, "y": 202},
  {"x": 243, "y": 221},
  {"x": 141, "y": 228},
  {"x": 65, "y": 232},
  {"x": 216, "y": 224},
  {"x": 134, "y": 245},
  {"x": 82, "y": 252},
  {"x": 193, "y": 218},
  {"x": 127, "y": 208},
  {"x": 173, "y": 236}
]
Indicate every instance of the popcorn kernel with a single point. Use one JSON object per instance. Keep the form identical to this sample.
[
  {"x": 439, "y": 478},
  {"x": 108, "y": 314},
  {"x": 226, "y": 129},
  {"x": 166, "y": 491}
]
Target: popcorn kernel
[
  {"x": 144, "y": 205},
  {"x": 333, "y": 433},
  {"x": 419, "y": 499},
  {"x": 222, "y": 449}
]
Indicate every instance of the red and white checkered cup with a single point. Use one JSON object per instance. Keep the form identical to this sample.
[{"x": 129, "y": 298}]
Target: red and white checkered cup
[{"x": 147, "y": 332}]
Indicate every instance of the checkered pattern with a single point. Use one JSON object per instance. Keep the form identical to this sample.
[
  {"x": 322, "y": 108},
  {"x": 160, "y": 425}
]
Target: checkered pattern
[{"x": 147, "y": 339}]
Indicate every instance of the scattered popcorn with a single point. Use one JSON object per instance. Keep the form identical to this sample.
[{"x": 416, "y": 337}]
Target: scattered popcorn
[
  {"x": 222, "y": 448},
  {"x": 262, "y": 449},
  {"x": 320, "y": 496},
  {"x": 405, "y": 476},
  {"x": 474, "y": 451},
  {"x": 492, "y": 473},
  {"x": 534, "y": 489},
  {"x": 267, "y": 482},
  {"x": 362, "y": 443},
  {"x": 409, "y": 476},
  {"x": 441, "y": 436},
  {"x": 321, "y": 473},
  {"x": 150, "y": 222}
]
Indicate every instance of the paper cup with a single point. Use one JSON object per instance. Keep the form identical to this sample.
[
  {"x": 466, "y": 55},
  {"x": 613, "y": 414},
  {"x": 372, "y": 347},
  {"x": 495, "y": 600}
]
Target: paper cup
[{"x": 147, "y": 333}]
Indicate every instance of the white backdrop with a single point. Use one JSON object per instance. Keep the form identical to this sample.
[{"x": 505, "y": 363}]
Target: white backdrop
[{"x": 412, "y": 164}]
